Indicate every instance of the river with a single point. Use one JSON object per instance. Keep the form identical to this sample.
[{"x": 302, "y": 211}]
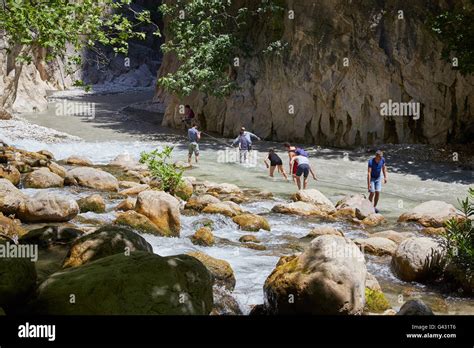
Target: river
[{"x": 116, "y": 129}]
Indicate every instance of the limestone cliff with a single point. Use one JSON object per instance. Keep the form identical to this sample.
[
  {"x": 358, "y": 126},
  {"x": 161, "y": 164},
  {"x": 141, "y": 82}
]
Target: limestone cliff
[{"x": 389, "y": 58}]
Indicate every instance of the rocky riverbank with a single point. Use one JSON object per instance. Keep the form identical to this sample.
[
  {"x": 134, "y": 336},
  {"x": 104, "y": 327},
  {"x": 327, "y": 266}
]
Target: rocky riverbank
[{"x": 96, "y": 228}]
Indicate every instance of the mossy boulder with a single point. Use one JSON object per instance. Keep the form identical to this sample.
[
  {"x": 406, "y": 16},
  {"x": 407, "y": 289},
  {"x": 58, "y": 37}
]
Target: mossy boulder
[
  {"x": 185, "y": 189},
  {"x": 94, "y": 203},
  {"x": 127, "y": 204},
  {"x": 51, "y": 235},
  {"x": 328, "y": 278},
  {"x": 376, "y": 245},
  {"x": 220, "y": 269},
  {"x": 252, "y": 222},
  {"x": 203, "y": 237},
  {"x": 375, "y": 301},
  {"x": 106, "y": 241},
  {"x": 17, "y": 278},
  {"x": 299, "y": 208},
  {"x": 139, "y": 284}
]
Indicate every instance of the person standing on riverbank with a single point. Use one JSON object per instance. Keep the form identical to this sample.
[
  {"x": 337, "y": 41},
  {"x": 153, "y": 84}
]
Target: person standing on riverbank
[
  {"x": 304, "y": 168},
  {"x": 193, "y": 136},
  {"x": 275, "y": 162},
  {"x": 188, "y": 118},
  {"x": 374, "y": 179}
]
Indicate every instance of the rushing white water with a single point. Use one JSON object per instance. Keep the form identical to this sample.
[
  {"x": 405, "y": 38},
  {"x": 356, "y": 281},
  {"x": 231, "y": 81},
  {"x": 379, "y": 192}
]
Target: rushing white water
[{"x": 339, "y": 173}]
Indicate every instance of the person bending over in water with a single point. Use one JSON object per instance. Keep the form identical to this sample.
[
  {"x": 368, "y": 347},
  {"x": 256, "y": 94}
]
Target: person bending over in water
[
  {"x": 291, "y": 153},
  {"x": 374, "y": 179},
  {"x": 275, "y": 162},
  {"x": 304, "y": 168}
]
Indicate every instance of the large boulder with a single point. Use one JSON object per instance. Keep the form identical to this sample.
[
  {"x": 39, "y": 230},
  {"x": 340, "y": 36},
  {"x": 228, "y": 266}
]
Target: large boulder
[
  {"x": 10, "y": 197},
  {"x": 17, "y": 278},
  {"x": 10, "y": 228},
  {"x": 415, "y": 307},
  {"x": 221, "y": 270},
  {"x": 139, "y": 284},
  {"x": 94, "y": 203},
  {"x": 315, "y": 197},
  {"x": 430, "y": 214},
  {"x": 106, "y": 241},
  {"x": 47, "y": 207},
  {"x": 162, "y": 209},
  {"x": 135, "y": 190},
  {"x": 185, "y": 189},
  {"x": 125, "y": 161},
  {"x": 373, "y": 220},
  {"x": 10, "y": 173},
  {"x": 224, "y": 189},
  {"x": 376, "y": 245},
  {"x": 92, "y": 178},
  {"x": 227, "y": 208},
  {"x": 395, "y": 236},
  {"x": 127, "y": 204},
  {"x": 417, "y": 259},
  {"x": 78, "y": 161},
  {"x": 47, "y": 236},
  {"x": 42, "y": 178},
  {"x": 200, "y": 202},
  {"x": 203, "y": 236},
  {"x": 328, "y": 278},
  {"x": 138, "y": 222},
  {"x": 252, "y": 222},
  {"x": 323, "y": 230},
  {"x": 360, "y": 205},
  {"x": 57, "y": 169},
  {"x": 299, "y": 208}
]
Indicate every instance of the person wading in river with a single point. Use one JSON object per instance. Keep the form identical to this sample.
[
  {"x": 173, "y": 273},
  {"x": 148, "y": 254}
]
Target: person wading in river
[
  {"x": 374, "y": 179},
  {"x": 275, "y": 162},
  {"x": 194, "y": 136},
  {"x": 244, "y": 146},
  {"x": 304, "y": 168},
  {"x": 248, "y": 135},
  {"x": 292, "y": 152}
]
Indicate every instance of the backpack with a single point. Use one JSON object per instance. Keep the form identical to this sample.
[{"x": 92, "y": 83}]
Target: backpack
[{"x": 301, "y": 152}]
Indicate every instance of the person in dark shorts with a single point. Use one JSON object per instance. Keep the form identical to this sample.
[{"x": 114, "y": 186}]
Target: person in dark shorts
[
  {"x": 275, "y": 162},
  {"x": 304, "y": 168}
]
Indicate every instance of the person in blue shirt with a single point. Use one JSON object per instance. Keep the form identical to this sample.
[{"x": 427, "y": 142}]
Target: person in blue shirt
[
  {"x": 244, "y": 146},
  {"x": 248, "y": 136},
  {"x": 374, "y": 177},
  {"x": 194, "y": 136}
]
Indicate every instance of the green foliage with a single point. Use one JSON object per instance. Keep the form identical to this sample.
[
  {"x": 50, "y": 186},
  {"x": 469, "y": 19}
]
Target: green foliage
[
  {"x": 169, "y": 176},
  {"x": 460, "y": 238},
  {"x": 456, "y": 30},
  {"x": 375, "y": 301},
  {"x": 205, "y": 37},
  {"x": 55, "y": 24}
]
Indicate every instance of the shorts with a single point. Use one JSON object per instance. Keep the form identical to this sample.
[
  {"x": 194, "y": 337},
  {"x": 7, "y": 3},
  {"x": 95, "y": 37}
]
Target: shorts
[
  {"x": 193, "y": 148},
  {"x": 295, "y": 168},
  {"x": 277, "y": 163},
  {"x": 376, "y": 184},
  {"x": 303, "y": 169}
]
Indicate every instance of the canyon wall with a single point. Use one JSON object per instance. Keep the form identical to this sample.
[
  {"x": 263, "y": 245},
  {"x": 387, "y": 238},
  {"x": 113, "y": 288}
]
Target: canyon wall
[{"x": 388, "y": 59}]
